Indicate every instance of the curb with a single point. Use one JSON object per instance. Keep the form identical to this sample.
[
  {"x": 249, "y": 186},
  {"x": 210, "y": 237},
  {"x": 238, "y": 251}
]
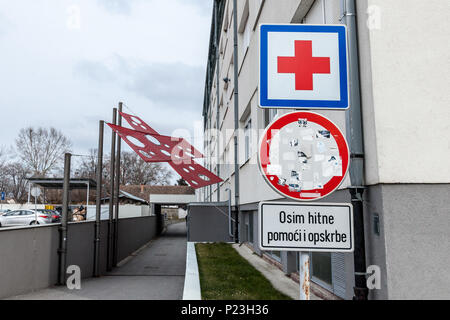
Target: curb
[{"x": 192, "y": 280}]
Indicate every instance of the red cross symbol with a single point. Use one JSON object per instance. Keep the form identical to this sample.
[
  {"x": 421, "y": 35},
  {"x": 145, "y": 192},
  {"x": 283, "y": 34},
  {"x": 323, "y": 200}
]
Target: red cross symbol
[{"x": 304, "y": 65}]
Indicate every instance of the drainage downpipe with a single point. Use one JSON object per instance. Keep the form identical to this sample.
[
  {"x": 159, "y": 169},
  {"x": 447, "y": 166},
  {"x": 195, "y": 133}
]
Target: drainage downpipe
[
  {"x": 236, "y": 121},
  {"x": 62, "y": 251},
  {"x": 230, "y": 231},
  {"x": 217, "y": 35},
  {"x": 355, "y": 135}
]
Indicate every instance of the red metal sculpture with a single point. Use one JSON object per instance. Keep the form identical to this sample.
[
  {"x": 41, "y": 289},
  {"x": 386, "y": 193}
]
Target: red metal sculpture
[{"x": 177, "y": 152}]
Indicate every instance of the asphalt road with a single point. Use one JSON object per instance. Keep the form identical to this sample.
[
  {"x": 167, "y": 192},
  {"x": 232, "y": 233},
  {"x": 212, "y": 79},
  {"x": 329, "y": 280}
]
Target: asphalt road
[{"x": 155, "y": 273}]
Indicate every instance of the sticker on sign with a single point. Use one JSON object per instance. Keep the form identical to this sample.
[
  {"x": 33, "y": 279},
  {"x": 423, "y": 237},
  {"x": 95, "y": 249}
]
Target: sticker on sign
[{"x": 288, "y": 226}]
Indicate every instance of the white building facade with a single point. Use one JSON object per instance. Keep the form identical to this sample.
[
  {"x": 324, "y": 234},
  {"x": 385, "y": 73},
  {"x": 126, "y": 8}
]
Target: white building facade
[{"x": 403, "y": 67}]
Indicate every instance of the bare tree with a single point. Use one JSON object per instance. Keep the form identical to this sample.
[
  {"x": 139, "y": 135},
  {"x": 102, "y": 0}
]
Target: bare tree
[
  {"x": 88, "y": 165},
  {"x": 4, "y": 180},
  {"x": 17, "y": 174},
  {"x": 135, "y": 171},
  {"x": 41, "y": 149}
]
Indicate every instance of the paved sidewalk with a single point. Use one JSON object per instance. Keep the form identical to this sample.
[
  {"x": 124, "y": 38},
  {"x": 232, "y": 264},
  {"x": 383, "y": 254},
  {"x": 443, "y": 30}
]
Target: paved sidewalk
[
  {"x": 156, "y": 272},
  {"x": 276, "y": 277}
]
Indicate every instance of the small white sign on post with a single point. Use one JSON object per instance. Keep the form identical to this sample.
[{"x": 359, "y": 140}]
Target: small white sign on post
[
  {"x": 35, "y": 192},
  {"x": 293, "y": 226}
]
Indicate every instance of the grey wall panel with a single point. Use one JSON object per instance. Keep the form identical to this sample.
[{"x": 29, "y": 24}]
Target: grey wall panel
[
  {"x": 208, "y": 223},
  {"x": 80, "y": 247},
  {"x": 103, "y": 246},
  {"x": 28, "y": 259},
  {"x": 134, "y": 233},
  {"x": 417, "y": 224},
  {"x": 375, "y": 243},
  {"x": 29, "y": 256}
]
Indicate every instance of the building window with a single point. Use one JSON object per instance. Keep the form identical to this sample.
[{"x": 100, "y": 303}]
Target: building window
[
  {"x": 275, "y": 255},
  {"x": 321, "y": 268},
  {"x": 321, "y": 271},
  {"x": 248, "y": 139}
]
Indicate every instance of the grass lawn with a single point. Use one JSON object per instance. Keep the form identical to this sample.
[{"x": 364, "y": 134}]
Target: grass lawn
[{"x": 225, "y": 275}]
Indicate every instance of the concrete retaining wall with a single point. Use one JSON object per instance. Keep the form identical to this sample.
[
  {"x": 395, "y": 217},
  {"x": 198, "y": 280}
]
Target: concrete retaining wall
[{"x": 29, "y": 255}]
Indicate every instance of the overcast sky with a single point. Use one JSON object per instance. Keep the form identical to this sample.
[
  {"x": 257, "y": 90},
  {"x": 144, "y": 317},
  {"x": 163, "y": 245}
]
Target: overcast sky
[{"x": 66, "y": 64}]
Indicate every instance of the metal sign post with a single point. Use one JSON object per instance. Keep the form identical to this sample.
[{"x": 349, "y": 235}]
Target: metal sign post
[
  {"x": 35, "y": 192},
  {"x": 304, "y": 277},
  {"x": 305, "y": 227},
  {"x": 303, "y": 155},
  {"x": 3, "y": 199}
]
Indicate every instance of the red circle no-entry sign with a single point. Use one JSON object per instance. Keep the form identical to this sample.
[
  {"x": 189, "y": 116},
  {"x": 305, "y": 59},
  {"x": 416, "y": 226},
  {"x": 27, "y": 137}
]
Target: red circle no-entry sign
[{"x": 303, "y": 156}]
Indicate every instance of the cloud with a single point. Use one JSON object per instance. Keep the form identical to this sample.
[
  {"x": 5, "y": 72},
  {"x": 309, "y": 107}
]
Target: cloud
[
  {"x": 5, "y": 24},
  {"x": 169, "y": 85},
  {"x": 93, "y": 70},
  {"x": 136, "y": 51},
  {"x": 173, "y": 85},
  {"x": 204, "y": 6},
  {"x": 117, "y": 6}
]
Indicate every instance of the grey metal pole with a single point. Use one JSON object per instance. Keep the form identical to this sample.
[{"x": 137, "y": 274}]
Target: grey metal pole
[
  {"x": 355, "y": 134},
  {"x": 98, "y": 199},
  {"x": 116, "y": 196},
  {"x": 230, "y": 232},
  {"x": 87, "y": 196},
  {"x": 236, "y": 121},
  {"x": 110, "y": 245},
  {"x": 62, "y": 251},
  {"x": 217, "y": 35},
  {"x": 209, "y": 154}
]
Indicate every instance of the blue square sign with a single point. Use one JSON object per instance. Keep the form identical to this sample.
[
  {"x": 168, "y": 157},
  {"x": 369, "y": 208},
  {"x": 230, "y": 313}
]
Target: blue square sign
[{"x": 303, "y": 66}]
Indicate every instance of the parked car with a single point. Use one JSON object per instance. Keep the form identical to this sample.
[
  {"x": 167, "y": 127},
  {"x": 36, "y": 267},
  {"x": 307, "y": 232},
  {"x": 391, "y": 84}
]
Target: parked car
[
  {"x": 24, "y": 218},
  {"x": 55, "y": 215},
  {"x": 3, "y": 211}
]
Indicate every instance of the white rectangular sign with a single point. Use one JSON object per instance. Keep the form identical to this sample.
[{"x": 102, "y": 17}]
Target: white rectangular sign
[{"x": 294, "y": 226}]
